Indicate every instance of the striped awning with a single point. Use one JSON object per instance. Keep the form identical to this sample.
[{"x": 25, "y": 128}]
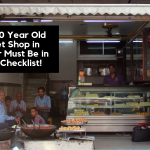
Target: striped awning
[{"x": 75, "y": 9}]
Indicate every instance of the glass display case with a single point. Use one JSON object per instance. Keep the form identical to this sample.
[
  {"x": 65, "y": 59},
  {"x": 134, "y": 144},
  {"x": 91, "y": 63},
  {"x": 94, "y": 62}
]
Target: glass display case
[{"x": 110, "y": 108}]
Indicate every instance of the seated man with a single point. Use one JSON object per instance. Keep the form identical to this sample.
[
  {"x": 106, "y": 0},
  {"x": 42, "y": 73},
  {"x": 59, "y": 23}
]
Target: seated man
[
  {"x": 7, "y": 104},
  {"x": 5, "y": 120},
  {"x": 18, "y": 107},
  {"x": 43, "y": 104},
  {"x": 37, "y": 118}
]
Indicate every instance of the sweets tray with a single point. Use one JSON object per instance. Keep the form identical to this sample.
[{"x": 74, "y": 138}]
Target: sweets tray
[
  {"x": 72, "y": 131},
  {"x": 73, "y": 124}
]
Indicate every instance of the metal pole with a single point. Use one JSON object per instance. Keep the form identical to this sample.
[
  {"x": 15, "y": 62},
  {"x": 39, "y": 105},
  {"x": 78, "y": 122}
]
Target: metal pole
[
  {"x": 132, "y": 67},
  {"x": 124, "y": 63},
  {"x": 47, "y": 83}
]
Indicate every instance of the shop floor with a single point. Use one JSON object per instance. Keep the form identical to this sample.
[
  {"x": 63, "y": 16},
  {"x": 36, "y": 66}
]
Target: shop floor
[{"x": 111, "y": 141}]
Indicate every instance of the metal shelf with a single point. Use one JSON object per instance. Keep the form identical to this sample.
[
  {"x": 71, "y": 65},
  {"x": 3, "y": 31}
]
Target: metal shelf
[
  {"x": 109, "y": 106},
  {"x": 98, "y": 98}
]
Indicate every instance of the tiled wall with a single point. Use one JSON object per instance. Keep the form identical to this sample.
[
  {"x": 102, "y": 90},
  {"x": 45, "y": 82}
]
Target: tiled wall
[{"x": 67, "y": 63}]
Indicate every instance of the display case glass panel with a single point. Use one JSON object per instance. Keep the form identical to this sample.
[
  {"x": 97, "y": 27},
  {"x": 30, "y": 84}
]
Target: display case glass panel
[
  {"x": 137, "y": 60},
  {"x": 128, "y": 63},
  {"x": 115, "y": 101}
]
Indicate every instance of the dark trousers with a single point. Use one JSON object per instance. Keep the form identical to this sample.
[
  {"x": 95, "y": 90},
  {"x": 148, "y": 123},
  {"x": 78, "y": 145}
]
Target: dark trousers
[
  {"x": 7, "y": 124},
  {"x": 28, "y": 117}
]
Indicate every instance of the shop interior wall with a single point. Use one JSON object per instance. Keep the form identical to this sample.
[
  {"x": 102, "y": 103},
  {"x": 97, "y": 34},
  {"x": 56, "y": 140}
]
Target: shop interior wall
[
  {"x": 67, "y": 72},
  {"x": 11, "y": 90},
  {"x": 10, "y": 78},
  {"x": 67, "y": 63},
  {"x": 10, "y": 83},
  {"x": 57, "y": 86}
]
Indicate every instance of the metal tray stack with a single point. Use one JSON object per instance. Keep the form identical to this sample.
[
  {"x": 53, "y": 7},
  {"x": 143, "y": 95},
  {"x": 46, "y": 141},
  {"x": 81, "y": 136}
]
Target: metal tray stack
[{"x": 73, "y": 131}]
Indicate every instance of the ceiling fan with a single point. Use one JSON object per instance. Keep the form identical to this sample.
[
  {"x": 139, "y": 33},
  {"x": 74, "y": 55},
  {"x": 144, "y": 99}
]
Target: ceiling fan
[{"x": 109, "y": 27}]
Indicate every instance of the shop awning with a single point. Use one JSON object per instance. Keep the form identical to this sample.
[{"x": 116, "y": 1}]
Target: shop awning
[{"x": 75, "y": 9}]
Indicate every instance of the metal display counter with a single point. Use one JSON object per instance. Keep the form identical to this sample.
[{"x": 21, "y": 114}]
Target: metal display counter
[{"x": 110, "y": 108}]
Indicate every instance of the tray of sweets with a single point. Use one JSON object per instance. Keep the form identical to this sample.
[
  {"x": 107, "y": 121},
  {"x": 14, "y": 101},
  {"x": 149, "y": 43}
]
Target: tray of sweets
[
  {"x": 73, "y": 124},
  {"x": 72, "y": 131}
]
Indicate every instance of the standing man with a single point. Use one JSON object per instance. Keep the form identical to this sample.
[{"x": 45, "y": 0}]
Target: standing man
[
  {"x": 5, "y": 120},
  {"x": 114, "y": 78},
  {"x": 7, "y": 104},
  {"x": 43, "y": 104},
  {"x": 18, "y": 107}
]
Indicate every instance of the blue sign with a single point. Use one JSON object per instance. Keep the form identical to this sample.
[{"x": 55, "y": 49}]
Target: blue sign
[{"x": 148, "y": 64}]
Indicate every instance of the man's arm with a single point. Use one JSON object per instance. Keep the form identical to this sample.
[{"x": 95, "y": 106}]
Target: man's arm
[
  {"x": 23, "y": 111},
  {"x": 12, "y": 112},
  {"x": 11, "y": 109},
  {"x": 35, "y": 103},
  {"x": 9, "y": 117},
  {"x": 12, "y": 118},
  {"x": 43, "y": 108},
  {"x": 42, "y": 121},
  {"x": 24, "y": 108},
  {"x": 48, "y": 105},
  {"x": 105, "y": 81}
]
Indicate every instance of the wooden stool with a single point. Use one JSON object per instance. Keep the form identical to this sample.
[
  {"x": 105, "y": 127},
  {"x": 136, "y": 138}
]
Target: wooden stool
[{"x": 50, "y": 120}]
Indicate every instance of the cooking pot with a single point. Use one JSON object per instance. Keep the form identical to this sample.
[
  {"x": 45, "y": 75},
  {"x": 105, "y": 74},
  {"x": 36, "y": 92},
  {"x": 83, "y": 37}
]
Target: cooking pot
[
  {"x": 36, "y": 132},
  {"x": 6, "y": 134}
]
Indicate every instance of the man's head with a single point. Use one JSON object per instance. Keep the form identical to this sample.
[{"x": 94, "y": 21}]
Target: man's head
[
  {"x": 18, "y": 97},
  {"x": 2, "y": 96},
  {"x": 34, "y": 111},
  {"x": 112, "y": 68},
  {"x": 41, "y": 91},
  {"x": 8, "y": 101}
]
